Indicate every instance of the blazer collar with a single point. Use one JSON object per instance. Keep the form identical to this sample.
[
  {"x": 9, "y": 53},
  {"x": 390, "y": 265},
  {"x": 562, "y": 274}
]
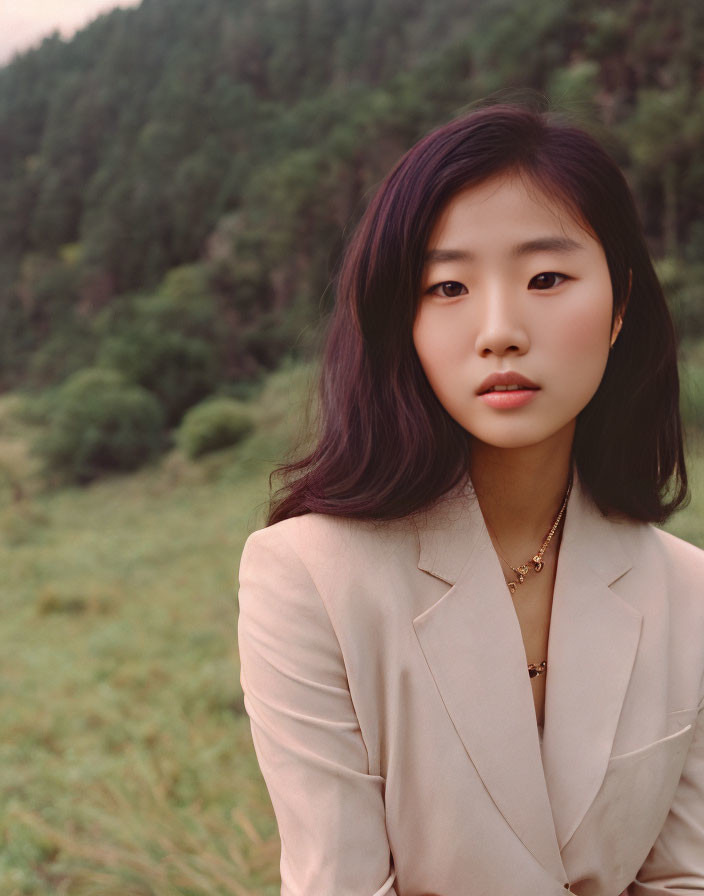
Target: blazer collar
[{"x": 473, "y": 646}]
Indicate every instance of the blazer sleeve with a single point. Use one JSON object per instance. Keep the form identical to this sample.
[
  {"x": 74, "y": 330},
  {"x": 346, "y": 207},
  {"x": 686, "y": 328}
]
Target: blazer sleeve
[
  {"x": 675, "y": 864},
  {"x": 329, "y": 810}
]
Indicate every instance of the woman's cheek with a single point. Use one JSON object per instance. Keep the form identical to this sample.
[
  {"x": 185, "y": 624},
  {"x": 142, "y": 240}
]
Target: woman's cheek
[
  {"x": 441, "y": 335},
  {"x": 584, "y": 345},
  {"x": 431, "y": 339}
]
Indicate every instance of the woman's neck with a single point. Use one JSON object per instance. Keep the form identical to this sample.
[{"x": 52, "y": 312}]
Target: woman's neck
[{"x": 520, "y": 492}]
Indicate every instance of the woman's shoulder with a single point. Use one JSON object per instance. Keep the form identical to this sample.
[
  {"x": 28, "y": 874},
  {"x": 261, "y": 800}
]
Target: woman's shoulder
[
  {"x": 660, "y": 566},
  {"x": 678, "y": 550},
  {"x": 317, "y": 538},
  {"x": 677, "y": 565},
  {"x": 304, "y": 563},
  {"x": 650, "y": 539}
]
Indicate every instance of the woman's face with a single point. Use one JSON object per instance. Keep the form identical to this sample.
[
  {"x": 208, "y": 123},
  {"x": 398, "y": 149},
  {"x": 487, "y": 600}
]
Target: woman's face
[{"x": 512, "y": 284}]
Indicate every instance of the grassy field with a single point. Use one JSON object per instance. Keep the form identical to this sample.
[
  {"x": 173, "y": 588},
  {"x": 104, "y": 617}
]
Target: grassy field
[{"x": 126, "y": 763}]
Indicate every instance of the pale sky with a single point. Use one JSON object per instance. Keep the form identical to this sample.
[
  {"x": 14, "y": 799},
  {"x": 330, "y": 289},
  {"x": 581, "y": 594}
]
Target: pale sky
[{"x": 23, "y": 23}]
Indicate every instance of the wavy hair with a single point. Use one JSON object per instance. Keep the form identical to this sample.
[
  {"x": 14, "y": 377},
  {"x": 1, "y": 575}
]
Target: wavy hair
[{"x": 384, "y": 445}]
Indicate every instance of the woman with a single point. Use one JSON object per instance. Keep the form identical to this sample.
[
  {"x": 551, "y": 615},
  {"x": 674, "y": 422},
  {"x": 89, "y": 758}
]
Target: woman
[{"x": 471, "y": 662}]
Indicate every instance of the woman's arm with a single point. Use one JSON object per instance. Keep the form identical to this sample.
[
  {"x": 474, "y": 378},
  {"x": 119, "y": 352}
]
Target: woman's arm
[
  {"x": 329, "y": 809},
  {"x": 675, "y": 864}
]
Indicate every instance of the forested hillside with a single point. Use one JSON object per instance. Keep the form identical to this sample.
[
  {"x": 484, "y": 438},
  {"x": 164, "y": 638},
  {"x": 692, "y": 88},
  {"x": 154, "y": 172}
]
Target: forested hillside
[{"x": 177, "y": 180}]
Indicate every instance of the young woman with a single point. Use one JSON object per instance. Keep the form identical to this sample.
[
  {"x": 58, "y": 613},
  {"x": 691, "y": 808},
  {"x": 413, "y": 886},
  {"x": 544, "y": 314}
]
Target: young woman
[{"x": 472, "y": 664}]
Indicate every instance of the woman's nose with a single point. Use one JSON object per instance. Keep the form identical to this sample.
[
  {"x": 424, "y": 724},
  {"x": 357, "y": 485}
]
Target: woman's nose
[{"x": 502, "y": 326}]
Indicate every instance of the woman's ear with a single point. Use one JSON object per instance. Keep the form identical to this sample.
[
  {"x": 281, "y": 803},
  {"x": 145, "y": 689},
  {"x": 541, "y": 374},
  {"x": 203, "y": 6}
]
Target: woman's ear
[{"x": 618, "y": 323}]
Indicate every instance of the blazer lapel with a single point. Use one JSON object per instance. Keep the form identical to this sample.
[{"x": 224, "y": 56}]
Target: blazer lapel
[
  {"x": 594, "y": 636},
  {"x": 472, "y": 642}
]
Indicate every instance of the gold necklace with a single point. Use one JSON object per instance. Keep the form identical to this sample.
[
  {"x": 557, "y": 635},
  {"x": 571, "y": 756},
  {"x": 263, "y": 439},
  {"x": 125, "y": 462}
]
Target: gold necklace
[{"x": 536, "y": 564}]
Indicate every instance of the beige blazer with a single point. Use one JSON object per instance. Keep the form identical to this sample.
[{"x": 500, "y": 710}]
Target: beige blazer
[{"x": 391, "y": 711}]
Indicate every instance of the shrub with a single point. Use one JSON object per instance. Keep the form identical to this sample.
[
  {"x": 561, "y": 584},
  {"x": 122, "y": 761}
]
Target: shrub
[
  {"x": 169, "y": 341},
  {"x": 178, "y": 369},
  {"x": 682, "y": 286},
  {"x": 692, "y": 388},
  {"x": 214, "y": 423},
  {"x": 100, "y": 424}
]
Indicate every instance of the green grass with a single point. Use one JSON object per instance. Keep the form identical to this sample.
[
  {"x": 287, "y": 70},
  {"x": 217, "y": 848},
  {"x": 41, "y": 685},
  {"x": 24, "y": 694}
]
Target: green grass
[{"x": 126, "y": 762}]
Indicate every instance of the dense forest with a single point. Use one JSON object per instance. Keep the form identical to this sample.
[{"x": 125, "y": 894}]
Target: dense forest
[{"x": 177, "y": 180}]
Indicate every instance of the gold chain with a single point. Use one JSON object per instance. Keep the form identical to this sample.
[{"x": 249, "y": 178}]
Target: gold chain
[{"x": 536, "y": 564}]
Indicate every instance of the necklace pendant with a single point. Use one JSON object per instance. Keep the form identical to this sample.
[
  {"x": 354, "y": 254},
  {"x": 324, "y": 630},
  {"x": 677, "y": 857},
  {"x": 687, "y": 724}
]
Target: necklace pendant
[
  {"x": 537, "y": 563},
  {"x": 522, "y": 571},
  {"x": 534, "y": 670},
  {"x": 512, "y": 587}
]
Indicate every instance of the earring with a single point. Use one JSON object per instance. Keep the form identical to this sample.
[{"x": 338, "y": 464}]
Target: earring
[{"x": 613, "y": 341}]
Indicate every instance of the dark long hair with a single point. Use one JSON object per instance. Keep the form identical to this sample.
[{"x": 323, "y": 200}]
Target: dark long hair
[{"x": 385, "y": 447}]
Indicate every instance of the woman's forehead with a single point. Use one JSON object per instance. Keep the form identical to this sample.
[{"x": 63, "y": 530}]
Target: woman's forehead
[{"x": 510, "y": 204}]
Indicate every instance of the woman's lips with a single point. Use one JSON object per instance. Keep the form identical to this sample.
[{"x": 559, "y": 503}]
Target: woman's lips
[
  {"x": 505, "y": 378},
  {"x": 511, "y": 398}
]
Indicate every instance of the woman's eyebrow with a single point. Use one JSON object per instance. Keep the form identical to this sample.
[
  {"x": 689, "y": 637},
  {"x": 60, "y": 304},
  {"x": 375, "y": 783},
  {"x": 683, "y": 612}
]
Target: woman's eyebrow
[{"x": 540, "y": 244}]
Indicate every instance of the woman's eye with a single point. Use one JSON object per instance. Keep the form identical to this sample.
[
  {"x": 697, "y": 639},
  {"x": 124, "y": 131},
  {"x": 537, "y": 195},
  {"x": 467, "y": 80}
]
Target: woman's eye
[
  {"x": 450, "y": 289},
  {"x": 550, "y": 275}
]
